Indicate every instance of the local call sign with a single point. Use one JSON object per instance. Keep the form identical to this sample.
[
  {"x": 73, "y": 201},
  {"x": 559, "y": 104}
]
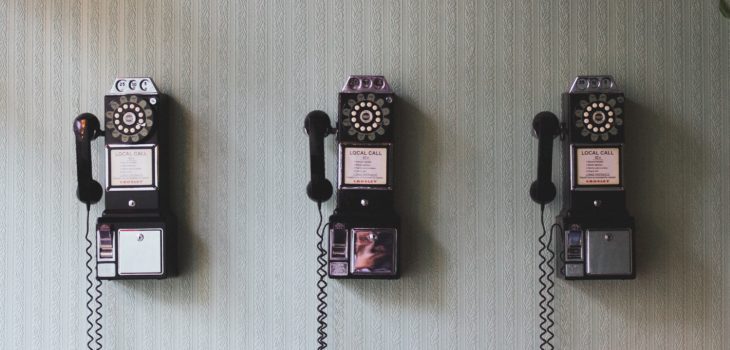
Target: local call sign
[
  {"x": 366, "y": 166},
  {"x": 598, "y": 166}
]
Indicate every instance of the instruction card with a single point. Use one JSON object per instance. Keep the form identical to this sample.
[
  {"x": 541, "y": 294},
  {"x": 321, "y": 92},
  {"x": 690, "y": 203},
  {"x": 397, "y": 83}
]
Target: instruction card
[
  {"x": 598, "y": 166},
  {"x": 366, "y": 166},
  {"x": 131, "y": 167}
]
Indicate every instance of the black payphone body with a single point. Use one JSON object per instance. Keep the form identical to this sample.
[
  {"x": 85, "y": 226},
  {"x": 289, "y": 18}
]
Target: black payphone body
[
  {"x": 363, "y": 230},
  {"x": 595, "y": 238},
  {"x": 135, "y": 234}
]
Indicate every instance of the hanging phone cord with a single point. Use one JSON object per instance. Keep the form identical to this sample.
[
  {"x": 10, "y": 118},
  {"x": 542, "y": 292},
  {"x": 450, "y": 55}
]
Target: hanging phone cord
[
  {"x": 93, "y": 305},
  {"x": 546, "y": 282},
  {"x": 321, "y": 284}
]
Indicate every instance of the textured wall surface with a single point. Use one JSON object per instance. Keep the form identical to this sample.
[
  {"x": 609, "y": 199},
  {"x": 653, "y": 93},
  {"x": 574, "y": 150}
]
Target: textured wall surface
[{"x": 470, "y": 74}]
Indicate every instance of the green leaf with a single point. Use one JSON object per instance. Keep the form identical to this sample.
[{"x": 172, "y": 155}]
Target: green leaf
[{"x": 725, "y": 8}]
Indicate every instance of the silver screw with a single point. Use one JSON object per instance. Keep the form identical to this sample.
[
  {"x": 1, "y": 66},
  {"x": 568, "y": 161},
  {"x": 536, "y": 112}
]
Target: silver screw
[
  {"x": 140, "y": 237},
  {"x": 364, "y": 202},
  {"x": 389, "y": 99},
  {"x": 608, "y": 237},
  {"x": 153, "y": 100},
  {"x": 132, "y": 203},
  {"x": 597, "y": 203}
]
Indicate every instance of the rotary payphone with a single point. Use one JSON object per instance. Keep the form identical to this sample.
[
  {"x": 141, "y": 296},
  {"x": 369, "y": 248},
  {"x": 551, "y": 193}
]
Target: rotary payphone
[
  {"x": 135, "y": 234},
  {"x": 363, "y": 230},
  {"x": 594, "y": 231}
]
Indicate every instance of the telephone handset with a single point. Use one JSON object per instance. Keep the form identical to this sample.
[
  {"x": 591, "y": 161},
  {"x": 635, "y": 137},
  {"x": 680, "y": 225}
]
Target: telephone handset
[
  {"x": 363, "y": 230},
  {"x": 86, "y": 128},
  {"x": 546, "y": 127},
  {"x": 317, "y": 126}
]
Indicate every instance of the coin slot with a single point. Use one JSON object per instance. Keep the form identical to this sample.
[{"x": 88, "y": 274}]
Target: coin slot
[
  {"x": 339, "y": 244},
  {"x": 106, "y": 245}
]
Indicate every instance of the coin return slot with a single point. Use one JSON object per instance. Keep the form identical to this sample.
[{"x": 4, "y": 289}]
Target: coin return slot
[
  {"x": 339, "y": 244},
  {"x": 106, "y": 245},
  {"x": 574, "y": 251}
]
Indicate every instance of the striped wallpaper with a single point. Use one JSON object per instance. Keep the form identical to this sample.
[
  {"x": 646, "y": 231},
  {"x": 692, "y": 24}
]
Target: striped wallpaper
[{"x": 470, "y": 75}]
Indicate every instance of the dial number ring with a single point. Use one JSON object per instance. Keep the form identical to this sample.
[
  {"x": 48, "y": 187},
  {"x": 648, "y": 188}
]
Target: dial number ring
[
  {"x": 598, "y": 117},
  {"x": 366, "y": 116},
  {"x": 129, "y": 118}
]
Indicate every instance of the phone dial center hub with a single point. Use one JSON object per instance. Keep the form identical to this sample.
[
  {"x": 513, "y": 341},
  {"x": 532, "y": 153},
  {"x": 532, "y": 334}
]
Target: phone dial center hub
[
  {"x": 599, "y": 117},
  {"x": 129, "y": 118},
  {"x": 366, "y": 116}
]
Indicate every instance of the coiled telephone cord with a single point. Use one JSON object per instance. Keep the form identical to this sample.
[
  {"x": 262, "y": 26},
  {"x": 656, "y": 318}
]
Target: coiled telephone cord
[
  {"x": 546, "y": 282},
  {"x": 321, "y": 283},
  {"x": 93, "y": 305}
]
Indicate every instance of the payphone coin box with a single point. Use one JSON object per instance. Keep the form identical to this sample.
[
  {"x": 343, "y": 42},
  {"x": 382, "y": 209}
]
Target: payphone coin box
[
  {"x": 134, "y": 234},
  {"x": 364, "y": 227},
  {"x": 597, "y": 253},
  {"x": 597, "y": 240},
  {"x": 363, "y": 252},
  {"x": 134, "y": 249},
  {"x": 608, "y": 252}
]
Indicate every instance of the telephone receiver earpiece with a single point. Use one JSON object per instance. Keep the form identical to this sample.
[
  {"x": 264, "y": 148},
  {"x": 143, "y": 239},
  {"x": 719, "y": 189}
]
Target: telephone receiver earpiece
[
  {"x": 546, "y": 127},
  {"x": 86, "y": 128},
  {"x": 317, "y": 125}
]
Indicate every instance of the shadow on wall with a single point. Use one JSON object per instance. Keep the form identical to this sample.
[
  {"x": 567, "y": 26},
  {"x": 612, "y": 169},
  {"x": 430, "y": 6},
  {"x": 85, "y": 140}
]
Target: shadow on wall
[
  {"x": 655, "y": 182},
  {"x": 181, "y": 202},
  {"x": 415, "y": 187}
]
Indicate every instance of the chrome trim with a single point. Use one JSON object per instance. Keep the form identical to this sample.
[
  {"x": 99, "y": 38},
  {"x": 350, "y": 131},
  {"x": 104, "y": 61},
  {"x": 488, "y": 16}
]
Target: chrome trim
[
  {"x": 587, "y": 87},
  {"x": 352, "y": 251},
  {"x": 98, "y": 248},
  {"x": 371, "y": 87},
  {"x": 332, "y": 244},
  {"x": 133, "y": 86}
]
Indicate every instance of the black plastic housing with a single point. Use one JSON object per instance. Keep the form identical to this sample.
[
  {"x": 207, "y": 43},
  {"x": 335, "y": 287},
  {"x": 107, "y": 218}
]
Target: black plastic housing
[
  {"x": 595, "y": 207},
  {"x": 365, "y": 124}
]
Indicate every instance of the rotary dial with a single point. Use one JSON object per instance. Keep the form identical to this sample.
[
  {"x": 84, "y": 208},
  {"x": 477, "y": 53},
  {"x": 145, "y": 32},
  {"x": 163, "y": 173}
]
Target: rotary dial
[
  {"x": 129, "y": 118},
  {"x": 599, "y": 116},
  {"x": 366, "y": 116}
]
